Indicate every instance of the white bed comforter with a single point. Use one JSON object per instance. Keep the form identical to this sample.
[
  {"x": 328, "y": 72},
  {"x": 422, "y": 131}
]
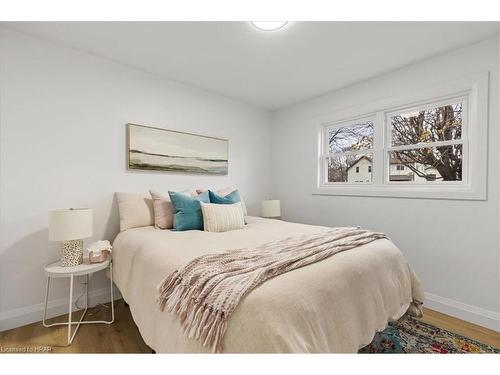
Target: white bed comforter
[{"x": 333, "y": 306}]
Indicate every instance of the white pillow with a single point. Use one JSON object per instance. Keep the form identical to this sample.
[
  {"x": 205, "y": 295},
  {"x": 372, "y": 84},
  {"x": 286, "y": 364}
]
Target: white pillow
[
  {"x": 222, "y": 217},
  {"x": 135, "y": 210}
]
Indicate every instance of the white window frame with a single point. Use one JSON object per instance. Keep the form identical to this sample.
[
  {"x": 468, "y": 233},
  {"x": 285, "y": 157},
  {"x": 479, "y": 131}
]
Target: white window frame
[
  {"x": 472, "y": 90},
  {"x": 325, "y": 146}
]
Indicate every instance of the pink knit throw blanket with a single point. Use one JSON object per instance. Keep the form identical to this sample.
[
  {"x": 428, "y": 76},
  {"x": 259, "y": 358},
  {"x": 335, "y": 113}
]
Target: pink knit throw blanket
[{"x": 205, "y": 292}]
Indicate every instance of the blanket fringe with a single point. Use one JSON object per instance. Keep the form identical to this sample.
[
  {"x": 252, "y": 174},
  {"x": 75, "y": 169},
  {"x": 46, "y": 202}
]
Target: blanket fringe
[{"x": 198, "y": 321}]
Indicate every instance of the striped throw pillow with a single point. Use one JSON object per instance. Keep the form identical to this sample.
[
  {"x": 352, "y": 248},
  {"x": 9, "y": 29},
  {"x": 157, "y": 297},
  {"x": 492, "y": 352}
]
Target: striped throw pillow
[{"x": 222, "y": 217}]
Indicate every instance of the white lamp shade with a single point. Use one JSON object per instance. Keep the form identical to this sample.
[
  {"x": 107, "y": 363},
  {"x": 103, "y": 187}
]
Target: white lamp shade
[
  {"x": 70, "y": 224},
  {"x": 270, "y": 208}
]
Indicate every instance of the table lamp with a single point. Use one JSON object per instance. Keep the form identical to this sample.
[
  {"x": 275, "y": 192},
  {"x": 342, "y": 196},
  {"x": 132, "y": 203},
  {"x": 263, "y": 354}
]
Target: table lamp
[
  {"x": 270, "y": 208},
  {"x": 71, "y": 226}
]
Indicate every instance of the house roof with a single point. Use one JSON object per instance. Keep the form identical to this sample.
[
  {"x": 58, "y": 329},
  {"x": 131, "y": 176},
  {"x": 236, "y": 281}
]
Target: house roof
[{"x": 357, "y": 161}]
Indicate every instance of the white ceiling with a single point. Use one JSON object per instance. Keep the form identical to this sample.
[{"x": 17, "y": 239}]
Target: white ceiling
[{"x": 268, "y": 69}]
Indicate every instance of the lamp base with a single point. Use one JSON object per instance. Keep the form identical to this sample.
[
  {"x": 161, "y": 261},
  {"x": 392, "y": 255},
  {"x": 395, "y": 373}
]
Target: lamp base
[{"x": 71, "y": 253}]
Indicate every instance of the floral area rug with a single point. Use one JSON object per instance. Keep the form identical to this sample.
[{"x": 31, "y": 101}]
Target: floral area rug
[{"x": 410, "y": 335}]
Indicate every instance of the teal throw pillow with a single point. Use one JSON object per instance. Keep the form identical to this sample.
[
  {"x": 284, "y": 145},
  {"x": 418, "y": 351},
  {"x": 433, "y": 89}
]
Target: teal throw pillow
[{"x": 187, "y": 210}]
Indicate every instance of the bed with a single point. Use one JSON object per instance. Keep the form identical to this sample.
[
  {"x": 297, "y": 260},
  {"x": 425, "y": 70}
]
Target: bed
[{"x": 332, "y": 306}]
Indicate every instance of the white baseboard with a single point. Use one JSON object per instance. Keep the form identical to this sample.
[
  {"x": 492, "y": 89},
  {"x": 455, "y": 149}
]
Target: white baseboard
[
  {"x": 469, "y": 313},
  {"x": 34, "y": 313}
]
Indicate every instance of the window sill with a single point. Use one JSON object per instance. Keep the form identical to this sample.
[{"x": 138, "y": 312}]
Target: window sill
[{"x": 418, "y": 192}]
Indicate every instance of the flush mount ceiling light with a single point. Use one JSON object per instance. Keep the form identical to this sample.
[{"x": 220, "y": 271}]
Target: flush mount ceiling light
[{"x": 268, "y": 25}]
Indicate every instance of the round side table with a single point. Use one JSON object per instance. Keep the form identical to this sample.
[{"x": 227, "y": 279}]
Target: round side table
[{"x": 55, "y": 270}]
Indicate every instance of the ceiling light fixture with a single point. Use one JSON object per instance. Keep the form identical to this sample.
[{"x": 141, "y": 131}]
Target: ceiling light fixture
[{"x": 268, "y": 25}]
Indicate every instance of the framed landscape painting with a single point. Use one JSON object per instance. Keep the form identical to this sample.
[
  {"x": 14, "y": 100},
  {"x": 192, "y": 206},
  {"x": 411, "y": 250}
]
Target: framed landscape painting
[{"x": 168, "y": 150}]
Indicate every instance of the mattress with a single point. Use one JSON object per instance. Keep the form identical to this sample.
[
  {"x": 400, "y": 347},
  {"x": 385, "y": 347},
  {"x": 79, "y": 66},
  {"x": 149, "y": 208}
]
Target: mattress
[{"x": 332, "y": 306}]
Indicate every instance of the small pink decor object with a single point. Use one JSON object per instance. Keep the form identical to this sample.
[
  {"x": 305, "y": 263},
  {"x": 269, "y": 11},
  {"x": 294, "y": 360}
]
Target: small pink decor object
[
  {"x": 99, "y": 251},
  {"x": 98, "y": 257}
]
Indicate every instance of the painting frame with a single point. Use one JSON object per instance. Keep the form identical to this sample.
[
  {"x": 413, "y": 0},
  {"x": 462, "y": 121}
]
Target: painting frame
[{"x": 210, "y": 166}]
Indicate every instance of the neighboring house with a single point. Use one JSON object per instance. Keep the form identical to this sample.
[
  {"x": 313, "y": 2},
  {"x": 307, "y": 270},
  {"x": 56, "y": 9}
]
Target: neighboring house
[{"x": 361, "y": 171}]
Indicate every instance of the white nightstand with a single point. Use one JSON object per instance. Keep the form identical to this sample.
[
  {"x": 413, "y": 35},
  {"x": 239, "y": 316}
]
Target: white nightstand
[{"x": 54, "y": 270}]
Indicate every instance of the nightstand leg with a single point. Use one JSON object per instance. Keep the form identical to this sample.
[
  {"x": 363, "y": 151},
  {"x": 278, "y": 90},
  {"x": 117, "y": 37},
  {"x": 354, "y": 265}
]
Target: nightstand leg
[
  {"x": 87, "y": 287},
  {"x": 70, "y": 307},
  {"x": 112, "y": 294},
  {"x": 46, "y": 302}
]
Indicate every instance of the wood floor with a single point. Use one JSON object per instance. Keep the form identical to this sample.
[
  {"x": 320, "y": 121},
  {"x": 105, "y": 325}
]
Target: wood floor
[
  {"x": 484, "y": 335},
  {"x": 123, "y": 335},
  {"x": 120, "y": 337}
]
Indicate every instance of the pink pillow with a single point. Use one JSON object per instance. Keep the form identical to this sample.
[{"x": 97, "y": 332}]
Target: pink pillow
[{"x": 163, "y": 211}]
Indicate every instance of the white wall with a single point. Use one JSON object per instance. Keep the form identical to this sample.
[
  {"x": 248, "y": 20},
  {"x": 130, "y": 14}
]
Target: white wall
[
  {"x": 452, "y": 245},
  {"x": 62, "y": 131}
]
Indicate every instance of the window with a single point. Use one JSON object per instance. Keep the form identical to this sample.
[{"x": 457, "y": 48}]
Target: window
[
  {"x": 430, "y": 144},
  {"x": 428, "y": 141},
  {"x": 348, "y": 148}
]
